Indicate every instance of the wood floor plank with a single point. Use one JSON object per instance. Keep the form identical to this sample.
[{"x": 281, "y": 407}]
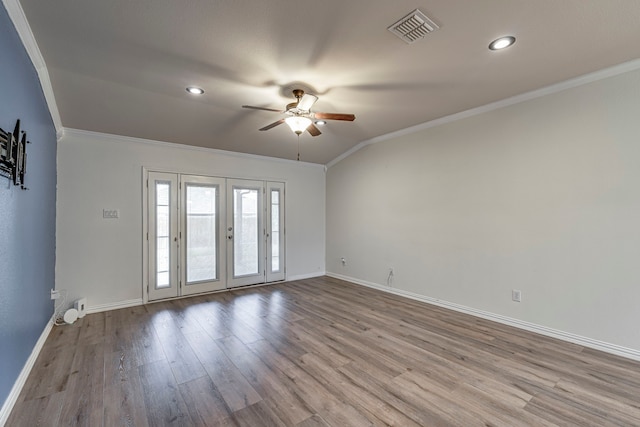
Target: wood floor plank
[
  {"x": 205, "y": 403},
  {"x": 313, "y": 421},
  {"x": 144, "y": 339},
  {"x": 39, "y": 412},
  {"x": 316, "y": 344},
  {"x": 92, "y": 329},
  {"x": 131, "y": 330},
  {"x": 383, "y": 389},
  {"x": 258, "y": 414},
  {"x": 548, "y": 406},
  {"x": 271, "y": 355},
  {"x": 285, "y": 340},
  {"x": 281, "y": 391},
  {"x": 229, "y": 381},
  {"x": 123, "y": 392},
  {"x": 610, "y": 408},
  {"x": 51, "y": 371},
  {"x": 163, "y": 401},
  {"x": 377, "y": 410},
  {"x": 317, "y": 352},
  {"x": 347, "y": 344},
  {"x": 447, "y": 373},
  {"x": 184, "y": 316},
  {"x": 439, "y": 401},
  {"x": 212, "y": 317},
  {"x": 183, "y": 361},
  {"x": 65, "y": 336},
  {"x": 328, "y": 406},
  {"x": 83, "y": 402},
  {"x": 493, "y": 410}
]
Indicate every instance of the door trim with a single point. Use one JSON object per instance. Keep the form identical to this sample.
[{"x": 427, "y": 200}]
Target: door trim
[
  {"x": 234, "y": 281},
  {"x": 145, "y": 228},
  {"x": 219, "y": 282},
  {"x": 173, "y": 244}
]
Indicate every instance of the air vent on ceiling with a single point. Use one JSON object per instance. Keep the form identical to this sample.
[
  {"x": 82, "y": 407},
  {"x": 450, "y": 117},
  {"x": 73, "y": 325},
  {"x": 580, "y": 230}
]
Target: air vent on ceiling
[{"x": 413, "y": 27}]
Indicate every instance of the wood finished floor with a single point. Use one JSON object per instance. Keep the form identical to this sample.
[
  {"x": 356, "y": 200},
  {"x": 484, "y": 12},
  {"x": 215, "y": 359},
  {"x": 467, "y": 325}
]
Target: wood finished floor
[{"x": 317, "y": 352}]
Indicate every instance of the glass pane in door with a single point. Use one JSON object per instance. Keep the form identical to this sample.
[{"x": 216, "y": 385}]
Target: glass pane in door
[
  {"x": 163, "y": 249},
  {"x": 245, "y": 226},
  {"x": 201, "y": 226},
  {"x": 275, "y": 231}
]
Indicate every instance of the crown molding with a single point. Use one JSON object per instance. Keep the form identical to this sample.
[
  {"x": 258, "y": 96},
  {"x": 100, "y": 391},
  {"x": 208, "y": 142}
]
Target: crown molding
[
  {"x": 548, "y": 90},
  {"x": 19, "y": 19}
]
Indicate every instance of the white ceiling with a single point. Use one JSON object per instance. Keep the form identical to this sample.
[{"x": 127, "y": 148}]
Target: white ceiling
[{"x": 122, "y": 66}]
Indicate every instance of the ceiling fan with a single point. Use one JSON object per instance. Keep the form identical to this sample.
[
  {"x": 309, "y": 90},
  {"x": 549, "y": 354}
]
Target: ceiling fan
[{"x": 300, "y": 117}]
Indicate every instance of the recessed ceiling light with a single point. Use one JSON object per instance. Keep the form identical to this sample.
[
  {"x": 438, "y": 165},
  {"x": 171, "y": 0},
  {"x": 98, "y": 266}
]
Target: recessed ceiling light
[
  {"x": 195, "y": 90},
  {"x": 320, "y": 122},
  {"x": 502, "y": 43}
]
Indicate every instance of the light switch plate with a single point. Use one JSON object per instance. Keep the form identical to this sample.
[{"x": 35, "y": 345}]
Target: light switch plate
[{"x": 110, "y": 213}]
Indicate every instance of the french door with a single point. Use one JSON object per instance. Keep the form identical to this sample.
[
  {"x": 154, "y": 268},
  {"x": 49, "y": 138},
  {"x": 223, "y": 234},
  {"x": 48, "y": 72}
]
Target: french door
[
  {"x": 207, "y": 234},
  {"x": 201, "y": 227},
  {"x": 245, "y": 232}
]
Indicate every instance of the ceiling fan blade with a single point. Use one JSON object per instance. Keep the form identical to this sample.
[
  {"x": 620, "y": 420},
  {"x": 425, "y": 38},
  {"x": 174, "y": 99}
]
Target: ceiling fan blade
[
  {"x": 272, "y": 125},
  {"x": 306, "y": 102},
  {"x": 335, "y": 116},
  {"x": 313, "y": 130},
  {"x": 262, "y": 108}
]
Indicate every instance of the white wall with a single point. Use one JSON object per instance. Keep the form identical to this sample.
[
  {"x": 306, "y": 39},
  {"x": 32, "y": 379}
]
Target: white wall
[
  {"x": 541, "y": 196},
  {"x": 101, "y": 259}
]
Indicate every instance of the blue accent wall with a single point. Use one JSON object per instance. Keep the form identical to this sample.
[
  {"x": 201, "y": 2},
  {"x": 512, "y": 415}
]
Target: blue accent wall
[{"x": 27, "y": 218}]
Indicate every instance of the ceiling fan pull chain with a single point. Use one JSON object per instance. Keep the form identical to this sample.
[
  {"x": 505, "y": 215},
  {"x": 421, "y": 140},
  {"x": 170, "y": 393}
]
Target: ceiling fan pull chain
[{"x": 298, "y": 147}]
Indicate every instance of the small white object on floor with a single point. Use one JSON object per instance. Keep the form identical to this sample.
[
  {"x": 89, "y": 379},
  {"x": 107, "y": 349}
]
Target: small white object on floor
[{"x": 70, "y": 316}]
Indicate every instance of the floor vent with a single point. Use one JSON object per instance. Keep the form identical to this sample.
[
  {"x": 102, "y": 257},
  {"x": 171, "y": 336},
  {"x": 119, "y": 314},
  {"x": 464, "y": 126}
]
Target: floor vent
[{"x": 413, "y": 27}]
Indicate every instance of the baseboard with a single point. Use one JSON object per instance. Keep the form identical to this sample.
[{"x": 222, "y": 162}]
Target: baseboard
[
  {"x": 114, "y": 305},
  {"x": 8, "y": 404},
  {"x": 606, "y": 347}
]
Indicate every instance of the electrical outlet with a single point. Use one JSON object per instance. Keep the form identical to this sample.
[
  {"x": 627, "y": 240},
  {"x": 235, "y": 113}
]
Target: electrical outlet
[
  {"x": 55, "y": 294},
  {"x": 516, "y": 295}
]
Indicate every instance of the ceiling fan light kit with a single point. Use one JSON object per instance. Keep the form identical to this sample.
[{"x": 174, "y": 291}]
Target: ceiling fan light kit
[
  {"x": 306, "y": 102},
  {"x": 298, "y": 124},
  {"x": 300, "y": 118}
]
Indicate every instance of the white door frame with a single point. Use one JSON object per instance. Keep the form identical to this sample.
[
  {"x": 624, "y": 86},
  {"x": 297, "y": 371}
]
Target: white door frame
[
  {"x": 225, "y": 277},
  {"x": 218, "y": 282},
  {"x": 275, "y": 241},
  {"x": 259, "y": 276},
  {"x": 156, "y": 290}
]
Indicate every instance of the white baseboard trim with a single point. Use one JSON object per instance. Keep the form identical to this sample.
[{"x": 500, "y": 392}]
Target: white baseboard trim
[
  {"x": 114, "y": 305},
  {"x": 8, "y": 404},
  {"x": 606, "y": 347},
  {"x": 305, "y": 276}
]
